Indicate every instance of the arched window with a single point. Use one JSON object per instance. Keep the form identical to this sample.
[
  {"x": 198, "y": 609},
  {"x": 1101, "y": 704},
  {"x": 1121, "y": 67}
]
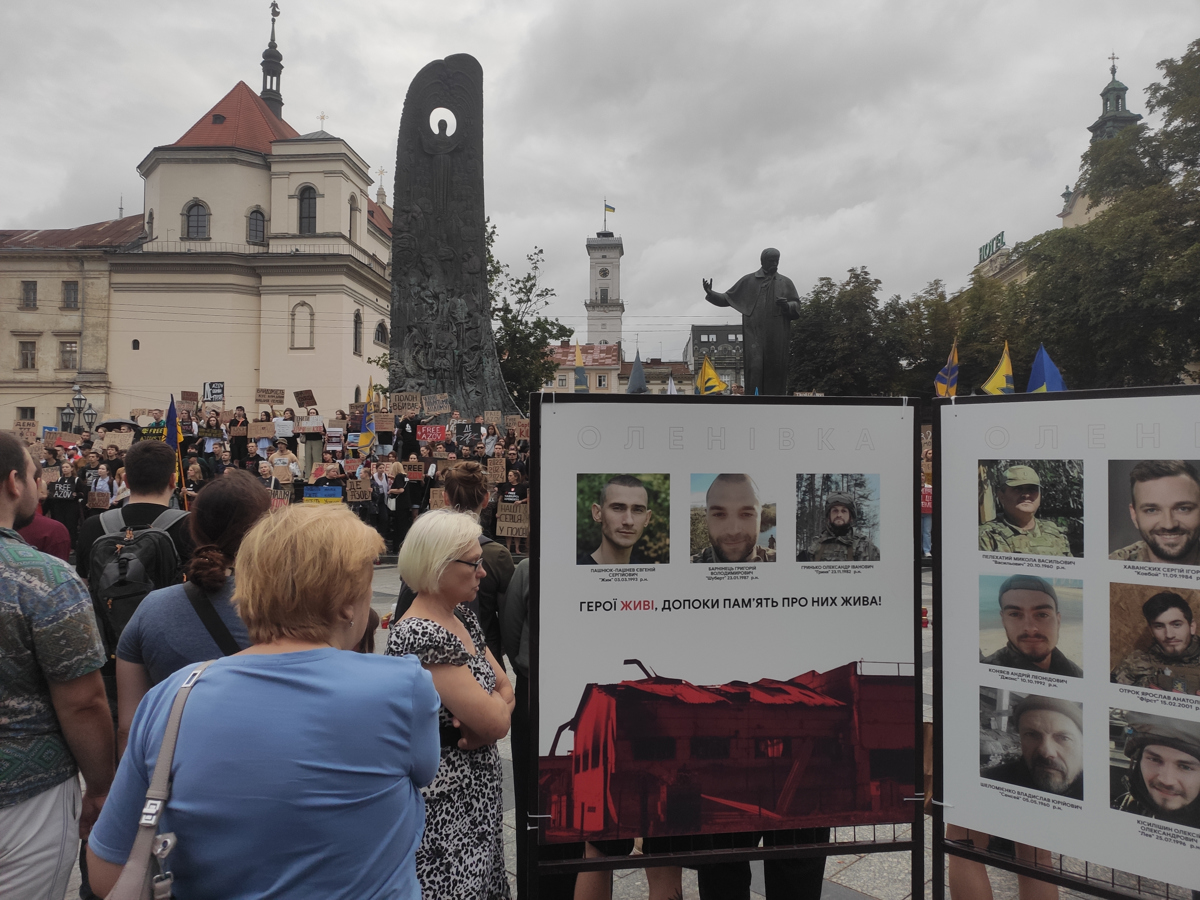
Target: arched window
[
  {"x": 357, "y": 394},
  {"x": 381, "y": 334},
  {"x": 358, "y": 334},
  {"x": 137, "y": 345},
  {"x": 353, "y": 218},
  {"x": 195, "y": 224},
  {"x": 256, "y": 227},
  {"x": 308, "y": 210},
  {"x": 301, "y": 327}
]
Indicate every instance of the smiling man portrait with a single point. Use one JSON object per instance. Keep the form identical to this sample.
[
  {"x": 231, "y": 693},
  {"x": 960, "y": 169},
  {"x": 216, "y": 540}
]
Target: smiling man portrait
[
  {"x": 1016, "y": 528},
  {"x": 1164, "y": 504}
]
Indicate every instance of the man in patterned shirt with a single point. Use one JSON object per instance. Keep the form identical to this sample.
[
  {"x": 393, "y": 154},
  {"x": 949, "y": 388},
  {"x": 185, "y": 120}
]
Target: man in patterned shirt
[
  {"x": 54, "y": 717},
  {"x": 1164, "y": 504},
  {"x": 1017, "y": 529}
]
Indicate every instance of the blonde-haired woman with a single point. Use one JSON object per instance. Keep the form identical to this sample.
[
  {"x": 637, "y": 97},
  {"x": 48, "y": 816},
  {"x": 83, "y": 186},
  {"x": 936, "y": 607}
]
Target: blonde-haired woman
[
  {"x": 298, "y": 765},
  {"x": 462, "y": 852}
]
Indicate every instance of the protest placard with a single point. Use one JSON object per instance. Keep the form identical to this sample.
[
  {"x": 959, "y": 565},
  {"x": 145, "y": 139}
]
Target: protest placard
[
  {"x": 153, "y": 434},
  {"x": 492, "y": 417},
  {"x": 38, "y": 451},
  {"x": 431, "y": 432},
  {"x": 62, "y": 490},
  {"x": 239, "y": 430},
  {"x": 138, "y": 412},
  {"x": 523, "y": 430},
  {"x": 257, "y": 430},
  {"x": 496, "y": 470},
  {"x": 468, "y": 432},
  {"x": 205, "y": 431},
  {"x": 269, "y": 396},
  {"x": 26, "y": 429},
  {"x": 329, "y": 494},
  {"x": 340, "y": 424},
  {"x": 99, "y": 499},
  {"x": 333, "y": 438},
  {"x": 358, "y": 491},
  {"x": 317, "y": 472},
  {"x": 401, "y": 401},
  {"x": 187, "y": 406},
  {"x": 356, "y": 416},
  {"x": 350, "y": 466},
  {"x": 213, "y": 391},
  {"x": 304, "y": 398},
  {"x": 435, "y": 404},
  {"x": 512, "y": 520},
  {"x": 437, "y": 498},
  {"x": 284, "y": 428},
  {"x": 311, "y": 425},
  {"x": 511, "y": 422},
  {"x": 189, "y": 397},
  {"x": 49, "y": 435},
  {"x": 121, "y": 439},
  {"x": 280, "y": 498},
  {"x": 440, "y": 454},
  {"x": 414, "y": 470}
]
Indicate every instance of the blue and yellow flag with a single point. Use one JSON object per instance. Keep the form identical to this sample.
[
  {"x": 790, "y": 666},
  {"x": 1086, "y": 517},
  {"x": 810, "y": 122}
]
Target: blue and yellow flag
[
  {"x": 945, "y": 383},
  {"x": 608, "y": 208},
  {"x": 1044, "y": 375},
  {"x": 1001, "y": 380},
  {"x": 366, "y": 434},
  {"x": 708, "y": 381},
  {"x": 581, "y": 380}
]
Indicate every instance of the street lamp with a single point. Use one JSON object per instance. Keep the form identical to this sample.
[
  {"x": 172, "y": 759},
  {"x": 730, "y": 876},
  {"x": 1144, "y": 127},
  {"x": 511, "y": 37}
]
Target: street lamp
[
  {"x": 90, "y": 416},
  {"x": 67, "y": 416},
  {"x": 78, "y": 402}
]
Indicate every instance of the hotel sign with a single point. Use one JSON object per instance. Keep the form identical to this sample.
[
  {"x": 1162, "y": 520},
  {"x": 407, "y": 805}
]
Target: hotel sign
[{"x": 991, "y": 247}]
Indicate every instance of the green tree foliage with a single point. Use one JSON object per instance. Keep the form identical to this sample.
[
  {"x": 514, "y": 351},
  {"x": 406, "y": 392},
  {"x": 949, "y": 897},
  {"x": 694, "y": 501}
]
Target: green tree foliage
[
  {"x": 655, "y": 544},
  {"x": 523, "y": 336}
]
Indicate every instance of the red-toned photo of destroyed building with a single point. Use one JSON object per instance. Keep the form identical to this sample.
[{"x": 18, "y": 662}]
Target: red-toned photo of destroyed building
[{"x": 661, "y": 756}]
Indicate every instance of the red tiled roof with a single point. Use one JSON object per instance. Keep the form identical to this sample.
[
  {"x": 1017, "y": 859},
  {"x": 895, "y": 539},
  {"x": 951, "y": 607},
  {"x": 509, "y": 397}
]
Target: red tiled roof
[
  {"x": 249, "y": 124},
  {"x": 675, "y": 367},
  {"x": 113, "y": 233},
  {"x": 379, "y": 217},
  {"x": 593, "y": 354}
]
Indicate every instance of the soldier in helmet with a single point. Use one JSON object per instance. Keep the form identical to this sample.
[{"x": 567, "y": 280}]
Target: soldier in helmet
[
  {"x": 1018, "y": 529},
  {"x": 1029, "y": 612},
  {"x": 1163, "y": 780},
  {"x": 1172, "y": 663},
  {"x": 838, "y": 541}
]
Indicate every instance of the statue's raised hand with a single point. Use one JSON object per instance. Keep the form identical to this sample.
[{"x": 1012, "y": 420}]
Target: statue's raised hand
[{"x": 707, "y": 282}]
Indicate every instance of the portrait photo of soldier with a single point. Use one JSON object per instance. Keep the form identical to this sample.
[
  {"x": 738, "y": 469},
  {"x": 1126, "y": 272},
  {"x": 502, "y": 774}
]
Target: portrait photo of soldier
[
  {"x": 1031, "y": 741},
  {"x": 1154, "y": 511},
  {"x": 730, "y": 523},
  {"x": 1031, "y": 506},
  {"x": 1153, "y": 638},
  {"x": 622, "y": 519},
  {"x": 1162, "y": 780},
  {"x": 1029, "y": 622},
  {"x": 837, "y": 518}
]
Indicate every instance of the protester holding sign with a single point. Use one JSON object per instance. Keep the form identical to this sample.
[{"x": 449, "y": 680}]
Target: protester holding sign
[
  {"x": 238, "y": 442},
  {"x": 515, "y": 491},
  {"x": 265, "y": 442}
]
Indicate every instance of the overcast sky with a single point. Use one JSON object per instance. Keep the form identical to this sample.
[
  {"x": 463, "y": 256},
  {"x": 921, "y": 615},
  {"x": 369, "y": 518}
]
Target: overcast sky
[{"x": 899, "y": 136}]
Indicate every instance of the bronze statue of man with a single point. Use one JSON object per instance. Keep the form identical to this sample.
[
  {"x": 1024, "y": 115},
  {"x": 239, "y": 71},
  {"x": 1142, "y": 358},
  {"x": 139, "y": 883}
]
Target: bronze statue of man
[{"x": 768, "y": 302}]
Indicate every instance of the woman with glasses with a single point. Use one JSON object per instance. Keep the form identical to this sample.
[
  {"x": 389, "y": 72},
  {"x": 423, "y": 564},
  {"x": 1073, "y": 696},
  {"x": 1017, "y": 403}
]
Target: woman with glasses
[{"x": 462, "y": 850}]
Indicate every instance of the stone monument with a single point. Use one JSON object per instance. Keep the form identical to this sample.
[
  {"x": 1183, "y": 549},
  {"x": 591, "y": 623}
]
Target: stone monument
[
  {"x": 768, "y": 303},
  {"x": 441, "y": 317}
]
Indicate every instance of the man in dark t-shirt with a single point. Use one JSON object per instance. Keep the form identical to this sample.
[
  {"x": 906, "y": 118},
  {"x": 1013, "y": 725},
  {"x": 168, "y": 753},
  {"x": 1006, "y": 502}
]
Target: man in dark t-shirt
[{"x": 622, "y": 512}]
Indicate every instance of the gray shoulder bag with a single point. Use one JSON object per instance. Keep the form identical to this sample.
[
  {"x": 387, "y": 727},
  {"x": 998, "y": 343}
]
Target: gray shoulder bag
[{"x": 141, "y": 876}]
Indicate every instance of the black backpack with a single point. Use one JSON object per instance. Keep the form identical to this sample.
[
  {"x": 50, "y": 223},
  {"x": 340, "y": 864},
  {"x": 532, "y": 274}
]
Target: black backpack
[{"x": 125, "y": 564}]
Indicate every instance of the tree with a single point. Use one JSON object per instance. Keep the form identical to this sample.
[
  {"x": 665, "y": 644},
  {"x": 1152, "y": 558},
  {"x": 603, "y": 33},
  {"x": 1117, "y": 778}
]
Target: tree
[{"x": 523, "y": 337}]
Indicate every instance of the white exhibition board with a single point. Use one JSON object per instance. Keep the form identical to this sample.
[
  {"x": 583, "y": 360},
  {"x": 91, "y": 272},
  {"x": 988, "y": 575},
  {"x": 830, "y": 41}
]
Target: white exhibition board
[
  {"x": 714, "y": 624},
  {"x": 1084, "y": 446}
]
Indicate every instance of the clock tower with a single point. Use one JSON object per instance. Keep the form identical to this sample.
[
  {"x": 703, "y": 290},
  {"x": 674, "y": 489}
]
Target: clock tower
[{"x": 604, "y": 305}]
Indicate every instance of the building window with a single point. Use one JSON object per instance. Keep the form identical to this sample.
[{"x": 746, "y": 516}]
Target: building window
[
  {"x": 68, "y": 354},
  {"x": 256, "y": 227},
  {"x": 562, "y": 380},
  {"x": 28, "y": 295},
  {"x": 601, "y": 381},
  {"x": 357, "y": 333},
  {"x": 302, "y": 327},
  {"x": 70, "y": 295},
  {"x": 136, "y": 345},
  {"x": 26, "y": 413},
  {"x": 772, "y": 748},
  {"x": 308, "y": 210},
  {"x": 381, "y": 335},
  {"x": 603, "y": 295},
  {"x": 28, "y": 354},
  {"x": 195, "y": 222},
  {"x": 602, "y": 343},
  {"x": 648, "y": 749},
  {"x": 733, "y": 337},
  {"x": 357, "y": 394}
]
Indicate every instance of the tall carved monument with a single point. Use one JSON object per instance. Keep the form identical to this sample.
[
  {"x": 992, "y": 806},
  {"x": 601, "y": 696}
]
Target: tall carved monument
[{"x": 441, "y": 319}]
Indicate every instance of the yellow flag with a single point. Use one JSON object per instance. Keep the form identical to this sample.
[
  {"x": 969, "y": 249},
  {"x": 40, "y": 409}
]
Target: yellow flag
[
  {"x": 1001, "y": 380},
  {"x": 708, "y": 381}
]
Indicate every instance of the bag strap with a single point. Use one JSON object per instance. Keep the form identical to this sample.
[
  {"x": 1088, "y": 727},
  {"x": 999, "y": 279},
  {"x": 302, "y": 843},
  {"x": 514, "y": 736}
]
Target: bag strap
[
  {"x": 212, "y": 623},
  {"x": 167, "y": 518},
  {"x": 137, "y": 875},
  {"x": 112, "y": 520}
]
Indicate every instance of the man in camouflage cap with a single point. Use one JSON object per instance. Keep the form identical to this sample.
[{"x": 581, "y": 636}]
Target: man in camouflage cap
[
  {"x": 1164, "y": 503},
  {"x": 1172, "y": 662},
  {"x": 1017, "y": 529},
  {"x": 1163, "y": 780},
  {"x": 838, "y": 541},
  {"x": 1029, "y": 611},
  {"x": 1051, "y": 760}
]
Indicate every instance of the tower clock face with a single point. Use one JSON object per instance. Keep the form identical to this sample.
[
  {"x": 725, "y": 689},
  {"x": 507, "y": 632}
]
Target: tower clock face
[{"x": 603, "y": 273}]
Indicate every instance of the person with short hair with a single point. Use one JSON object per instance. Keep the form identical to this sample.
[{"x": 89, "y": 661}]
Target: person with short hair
[
  {"x": 1163, "y": 780},
  {"x": 1164, "y": 504},
  {"x": 732, "y": 519},
  {"x": 1031, "y": 618},
  {"x": 838, "y": 541},
  {"x": 1016, "y": 528},
  {"x": 298, "y": 767},
  {"x": 622, "y": 510},
  {"x": 1172, "y": 662},
  {"x": 1051, "y": 760}
]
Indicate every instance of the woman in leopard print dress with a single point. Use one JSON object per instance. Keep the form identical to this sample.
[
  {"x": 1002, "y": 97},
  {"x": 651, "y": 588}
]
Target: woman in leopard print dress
[{"x": 462, "y": 852}]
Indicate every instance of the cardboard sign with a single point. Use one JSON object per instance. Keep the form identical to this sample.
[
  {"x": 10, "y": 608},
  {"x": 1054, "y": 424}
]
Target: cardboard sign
[
  {"x": 62, "y": 490},
  {"x": 440, "y": 454},
  {"x": 205, "y": 431},
  {"x": 26, "y": 429},
  {"x": 350, "y": 466},
  {"x": 512, "y": 520},
  {"x": 437, "y": 498},
  {"x": 523, "y": 430},
  {"x": 414, "y": 470},
  {"x": 333, "y": 439},
  {"x": 304, "y": 398},
  {"x": 138, "y": 412},
  {"x": 49, "y": 435},
  {"x": 285, "y": 428},
  {"x": 213, "y": 391},
  {"x": 431, "y": 432},
  {"x": 189, "y": 396},
  {"x": 122, "y": 440},
  {"x": 280, "y": 498},
  {"x": 312, "y": 425},
  {"x": 152, "y": 434},
  {"x": 258, "y": 430},
  {"x": 358, "y": 491},
  {"x": 239, "y": 430},
  {"x": 318, "y": 471},
  {"x": 99, "y": 500},
  {"x": 225, "y": 416},
  {"x": 331, "y": 494},
  {"x": 187, "y": 406},
  {"x": 492, "y": 417},
  {"x": 269, "y": 396},
  {"x": 511, "y": 422},
  {"x": 339, "y": 424},
  {"x": 401, "y": 401},
  {"x": 497, "y": 470},
  {"x": 471, "y": 432},
  {"x": 356, "y": 416},
  {"x": 435, "y": 404}
]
